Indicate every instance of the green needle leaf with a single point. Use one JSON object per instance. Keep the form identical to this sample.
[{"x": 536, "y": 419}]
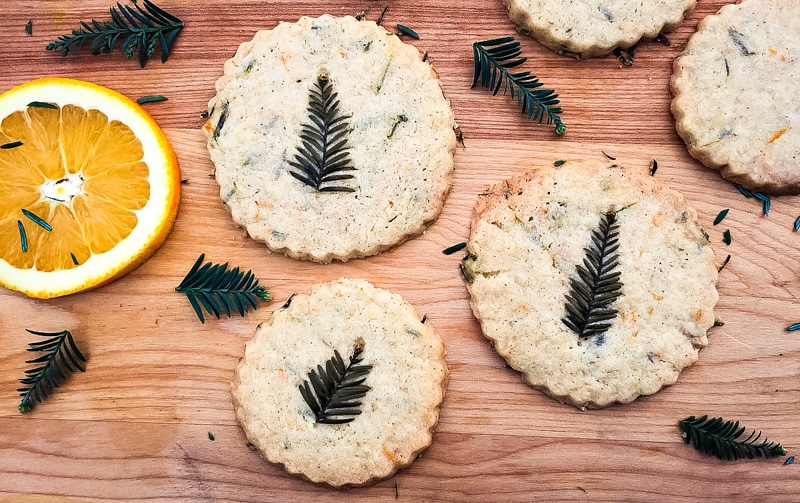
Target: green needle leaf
[{"x": 721, "y": 216}]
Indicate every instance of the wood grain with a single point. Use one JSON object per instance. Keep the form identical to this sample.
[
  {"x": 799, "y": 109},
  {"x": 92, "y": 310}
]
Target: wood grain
[{"x": 135, "y": 425}]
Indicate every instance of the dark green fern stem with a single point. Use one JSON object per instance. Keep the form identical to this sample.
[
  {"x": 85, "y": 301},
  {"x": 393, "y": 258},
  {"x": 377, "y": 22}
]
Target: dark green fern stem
[
  {"x": 723, "y": 439},
  {"x": 61, "y": 356},
  {"x": 596, "y": 286},
  {"x": 323, "y": 157},
  {"x": 333, "y": 392},
  {"x": 494, "y": 63},
  {"x": 217, "y": 289},
  {"x": 146, "y": 29}
]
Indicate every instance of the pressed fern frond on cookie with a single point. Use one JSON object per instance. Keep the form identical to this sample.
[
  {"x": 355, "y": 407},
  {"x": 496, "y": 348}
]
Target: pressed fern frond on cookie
[
  {"x": 723, "y": 439},
  {"x": 494, "y": 63},
  {"x": 61, "y": 356},
  {"x": 219, "y": 289},
  {"x": 323, "y": 157},
  {"x": 596, "y": 285},
  {"x": 146, "y": 29},
  {"x": 332, "y": 392}
]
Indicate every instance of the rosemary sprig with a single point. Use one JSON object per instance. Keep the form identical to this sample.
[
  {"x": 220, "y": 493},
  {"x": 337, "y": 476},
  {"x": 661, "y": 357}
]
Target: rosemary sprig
[
  {"x": 144, "y": 28},
  {"x": 218, "y": 289},
  {"x": 333, "y": 392},
  {"x": 494, "y": 61},
  {"x": 60, "y": 354},
  {"x": 722, "y": 439},
  {"x": 597, "y": 283},
  {"x": 324, "y": 155}
]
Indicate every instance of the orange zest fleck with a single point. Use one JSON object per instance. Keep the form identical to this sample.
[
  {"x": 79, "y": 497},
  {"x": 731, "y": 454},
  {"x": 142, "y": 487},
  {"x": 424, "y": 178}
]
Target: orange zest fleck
[{"x": 777, "y": 134}]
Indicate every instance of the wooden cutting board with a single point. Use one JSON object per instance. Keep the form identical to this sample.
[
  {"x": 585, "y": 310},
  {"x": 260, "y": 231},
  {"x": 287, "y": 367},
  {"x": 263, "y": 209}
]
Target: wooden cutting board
[{"x": 136, "y": 424}]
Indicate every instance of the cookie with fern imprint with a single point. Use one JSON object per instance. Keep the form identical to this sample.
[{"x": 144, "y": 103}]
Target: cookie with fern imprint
[
  {"x": 735, "y": 94},
  {"x": 342, "y": 385},
  {"x": 590, "y": 28},
  {"x": 594, "y": 281},
  {"x": 331, "y": 139}
]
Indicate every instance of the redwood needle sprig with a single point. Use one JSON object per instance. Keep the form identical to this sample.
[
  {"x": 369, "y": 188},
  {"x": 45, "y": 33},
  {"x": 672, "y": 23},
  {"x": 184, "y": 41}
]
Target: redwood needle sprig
[
  {"x": 217, "y": 289},
  {"x": 723, "y": 439},
  {"x": 61, "y": 356},
  {"x": 145, "y": 29},
  {"x": 494, "y": 63},
  {"x": 333, "y": 391}
]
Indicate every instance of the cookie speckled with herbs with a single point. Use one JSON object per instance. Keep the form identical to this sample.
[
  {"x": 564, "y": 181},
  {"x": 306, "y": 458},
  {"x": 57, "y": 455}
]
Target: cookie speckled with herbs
[
  {"x": 594, "y": 281},
  {"x": 331, "y": 139},
  {"x": 588, "y": 28},
  {"x": 736, "y": 91},
  {"x": 343, "y": 385}
]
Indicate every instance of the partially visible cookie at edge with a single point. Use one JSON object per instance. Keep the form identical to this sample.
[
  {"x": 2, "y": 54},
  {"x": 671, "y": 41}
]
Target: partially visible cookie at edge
[
  {"x": 735, "y": 94},
  {"x": 591, "y": 28},
  {"x": 399, "y": 138},
  {"x": 528, "y": 236},
  {"x": 398, "y": 413}
]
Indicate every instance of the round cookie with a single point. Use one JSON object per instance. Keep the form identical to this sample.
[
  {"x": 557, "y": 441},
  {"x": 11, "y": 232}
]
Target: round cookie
[
  {"x": 398, "y": 413},
  {"x": 528, "y": 236},
  {"x": 736, "y": 91},
  {"x": 397, "y": 131},
  {"x": 589, "y": 28}
]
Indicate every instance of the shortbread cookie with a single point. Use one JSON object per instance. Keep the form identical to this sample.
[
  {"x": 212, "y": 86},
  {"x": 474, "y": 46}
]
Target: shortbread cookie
[
  {"x": 588, "y": 28},
  {"x": 397, "y": 132},
  {"x": 736, "y": 89},
  {"x": 530, "y": 233},
  {"x": 398, "y": 412}
]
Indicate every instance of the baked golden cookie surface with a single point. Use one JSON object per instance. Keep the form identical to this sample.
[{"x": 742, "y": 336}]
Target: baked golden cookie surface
[
  {"x": 528, "y": 238},
  {"x": 397, "y": 413},
  {"x": 588, "y": 28},
  {"x": 385, "y": 132},
  {"x": 736, "y": 91}
]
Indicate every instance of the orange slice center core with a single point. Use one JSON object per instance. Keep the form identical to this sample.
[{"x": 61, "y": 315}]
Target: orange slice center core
[{"x": 63, "y": 190}]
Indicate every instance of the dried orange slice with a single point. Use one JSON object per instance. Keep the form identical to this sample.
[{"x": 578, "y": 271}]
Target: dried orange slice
[{"x": 91, "y": 186}]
